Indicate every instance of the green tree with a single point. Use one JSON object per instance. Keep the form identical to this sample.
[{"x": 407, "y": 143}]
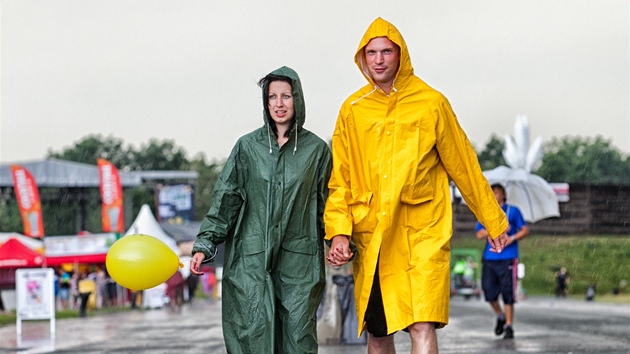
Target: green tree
[
  {"x": 492, "y": 154},
  {"x": 585, "y": 160},
  {"x": 10, "y": 219},
  {"x": 89, "y": 149},
  {"x": 158, "y": 156},
  {"x": 208, "y": 175}
]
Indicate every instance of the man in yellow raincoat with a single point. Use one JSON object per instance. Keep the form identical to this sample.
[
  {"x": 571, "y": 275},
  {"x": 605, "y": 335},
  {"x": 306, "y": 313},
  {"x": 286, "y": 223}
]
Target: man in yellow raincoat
[{"x": 395, "y": 144}]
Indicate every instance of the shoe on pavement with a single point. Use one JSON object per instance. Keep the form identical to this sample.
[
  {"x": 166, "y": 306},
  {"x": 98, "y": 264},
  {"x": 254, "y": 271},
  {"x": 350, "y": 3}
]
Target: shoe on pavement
[
  {"x": 498, "y": 330},
  {"x": 509, "y": 333}
]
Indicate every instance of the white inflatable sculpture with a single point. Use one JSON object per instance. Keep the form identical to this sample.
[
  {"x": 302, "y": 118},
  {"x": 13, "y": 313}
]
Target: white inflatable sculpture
[{"x": 532, "y": 194}]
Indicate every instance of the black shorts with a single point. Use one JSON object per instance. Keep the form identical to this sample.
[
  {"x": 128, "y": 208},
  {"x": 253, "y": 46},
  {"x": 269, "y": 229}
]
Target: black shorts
[
  {"x": 499, "y": 277},
  {"x": 375, "y": 313}
]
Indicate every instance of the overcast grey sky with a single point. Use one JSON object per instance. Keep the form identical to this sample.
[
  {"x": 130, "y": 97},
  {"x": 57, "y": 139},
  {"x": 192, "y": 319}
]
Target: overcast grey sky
[{"x": 187, "y": 70}]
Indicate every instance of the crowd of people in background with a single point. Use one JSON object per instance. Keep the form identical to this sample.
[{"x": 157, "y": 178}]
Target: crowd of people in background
[
  {"x": 68, "y": 289},
  {"x": 91, "y": 287}
]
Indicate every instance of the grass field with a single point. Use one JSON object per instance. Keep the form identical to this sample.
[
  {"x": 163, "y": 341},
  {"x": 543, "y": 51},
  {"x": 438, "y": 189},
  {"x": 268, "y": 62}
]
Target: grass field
[{"x": 600, "y": 260}]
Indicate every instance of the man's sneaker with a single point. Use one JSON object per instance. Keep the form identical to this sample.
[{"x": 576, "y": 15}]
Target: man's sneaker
[
  {"x": 509, "y": 333},
  {"x": 498, "y": 330}
]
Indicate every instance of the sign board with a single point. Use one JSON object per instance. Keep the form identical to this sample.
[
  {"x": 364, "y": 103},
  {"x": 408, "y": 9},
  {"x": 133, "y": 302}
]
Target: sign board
[
  {"x": 176, "y": 202},
  {"x": 35, "y": 296},
  {"x": 562, "y": 191}
]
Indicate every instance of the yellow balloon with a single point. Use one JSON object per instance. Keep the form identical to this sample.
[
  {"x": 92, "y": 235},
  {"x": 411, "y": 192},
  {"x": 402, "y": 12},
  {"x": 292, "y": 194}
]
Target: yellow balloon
[{"x": 140, "y": 262}]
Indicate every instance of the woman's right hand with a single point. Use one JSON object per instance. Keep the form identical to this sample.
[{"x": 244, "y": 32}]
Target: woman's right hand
[{"x": 195, "y": 263}]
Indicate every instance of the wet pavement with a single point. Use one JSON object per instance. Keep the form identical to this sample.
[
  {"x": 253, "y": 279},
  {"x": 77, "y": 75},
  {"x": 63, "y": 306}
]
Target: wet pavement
[{"x": 543, "y": 325}]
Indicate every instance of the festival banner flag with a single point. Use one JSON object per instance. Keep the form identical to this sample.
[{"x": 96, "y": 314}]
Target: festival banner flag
[
  {"x": 28, "y": 201},
  {"x": 112, "y": 197}
]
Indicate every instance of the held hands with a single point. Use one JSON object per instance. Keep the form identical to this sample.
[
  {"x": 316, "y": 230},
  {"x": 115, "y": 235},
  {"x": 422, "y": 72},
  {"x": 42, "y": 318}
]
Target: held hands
[
  {"x": 195, "y": 263},
  {"x": 339, "y": 253},
  {"x": 498, "y": 244}
]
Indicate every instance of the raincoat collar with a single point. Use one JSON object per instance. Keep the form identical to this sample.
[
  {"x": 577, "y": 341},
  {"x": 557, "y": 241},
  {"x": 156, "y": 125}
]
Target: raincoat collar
[
  {"x": 298, "y": 104},
  {"x": 382, "y": 28}
]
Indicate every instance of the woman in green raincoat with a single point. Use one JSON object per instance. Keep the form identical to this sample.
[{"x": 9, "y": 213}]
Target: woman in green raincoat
[{"x": 267, "y": 207}]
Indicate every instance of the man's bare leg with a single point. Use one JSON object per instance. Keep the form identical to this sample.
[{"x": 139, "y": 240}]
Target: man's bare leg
[
  {"x": 381, "y": 345},
  {"x": 423, "y": 338},
  {"x": 496, "y": 307},
  {"x": 509, "y": 314}
]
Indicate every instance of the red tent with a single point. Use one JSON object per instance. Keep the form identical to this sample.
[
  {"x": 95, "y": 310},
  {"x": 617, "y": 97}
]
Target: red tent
[{"x": 13, "y": 255}]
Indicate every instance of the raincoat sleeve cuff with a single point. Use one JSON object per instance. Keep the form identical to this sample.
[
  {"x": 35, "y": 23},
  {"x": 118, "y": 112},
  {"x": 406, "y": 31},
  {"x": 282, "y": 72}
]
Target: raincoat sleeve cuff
[
  {"x": 496, "y": 232},
  {"x": 354, "y": 250},
  {"x": 207, "y": 248}
]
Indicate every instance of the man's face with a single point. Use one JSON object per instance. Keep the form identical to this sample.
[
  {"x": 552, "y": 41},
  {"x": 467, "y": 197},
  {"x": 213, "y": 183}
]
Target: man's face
[
  {"x": 382, "y": 57},
  {"x": 498, "y": 193}
]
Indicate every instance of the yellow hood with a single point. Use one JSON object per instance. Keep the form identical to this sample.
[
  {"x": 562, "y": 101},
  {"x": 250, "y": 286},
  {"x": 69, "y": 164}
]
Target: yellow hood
[{"x": 382, "y": 28}]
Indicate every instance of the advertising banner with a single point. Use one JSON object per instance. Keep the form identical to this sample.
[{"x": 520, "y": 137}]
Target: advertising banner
[
  {"x": 176, "y": 202},
  {"x": 28, "y": 201},
  {"x": 111, "y": 196},
  {"x": 57, "y": 246},
  {"x": 90, "y": 249}
]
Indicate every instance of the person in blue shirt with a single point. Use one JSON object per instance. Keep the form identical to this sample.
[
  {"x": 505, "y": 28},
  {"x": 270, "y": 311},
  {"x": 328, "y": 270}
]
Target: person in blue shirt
[{"x": 499, "y": 269}]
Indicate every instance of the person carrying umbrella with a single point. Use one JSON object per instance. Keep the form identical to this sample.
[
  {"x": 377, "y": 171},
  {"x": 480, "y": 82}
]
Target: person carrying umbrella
[{"x": 499, "y": 269}]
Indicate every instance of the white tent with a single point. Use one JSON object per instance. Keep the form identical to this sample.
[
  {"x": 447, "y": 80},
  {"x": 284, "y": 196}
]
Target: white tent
[{"x": 146, "y": 224}]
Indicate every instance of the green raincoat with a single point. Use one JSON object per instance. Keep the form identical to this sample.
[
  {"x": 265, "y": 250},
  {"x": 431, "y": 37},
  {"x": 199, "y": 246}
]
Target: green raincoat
[{"x": 267, "y": 207}]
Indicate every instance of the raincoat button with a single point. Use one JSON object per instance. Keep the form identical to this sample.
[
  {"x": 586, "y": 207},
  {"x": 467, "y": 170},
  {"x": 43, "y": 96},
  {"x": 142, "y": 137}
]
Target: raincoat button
[
  {"x": 388, "y": 133},
  {"x": 383, "y": 213},
  {"x": 384, "y": 176}
]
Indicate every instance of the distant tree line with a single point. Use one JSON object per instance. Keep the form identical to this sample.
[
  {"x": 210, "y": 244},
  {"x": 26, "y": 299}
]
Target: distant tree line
[{"x": 568, "y": 159}]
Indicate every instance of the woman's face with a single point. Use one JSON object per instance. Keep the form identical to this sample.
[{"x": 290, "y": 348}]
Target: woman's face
[{"x": 280, "y": 102}]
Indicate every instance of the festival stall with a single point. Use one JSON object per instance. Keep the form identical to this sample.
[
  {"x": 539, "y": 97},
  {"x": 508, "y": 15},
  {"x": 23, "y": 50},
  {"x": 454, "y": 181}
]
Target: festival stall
[{"x": 78, "y": 249}]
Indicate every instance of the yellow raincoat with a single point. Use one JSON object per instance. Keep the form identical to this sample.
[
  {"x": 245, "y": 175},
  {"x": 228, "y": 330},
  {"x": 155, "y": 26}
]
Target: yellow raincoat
[{"x": 389, "y": 190}]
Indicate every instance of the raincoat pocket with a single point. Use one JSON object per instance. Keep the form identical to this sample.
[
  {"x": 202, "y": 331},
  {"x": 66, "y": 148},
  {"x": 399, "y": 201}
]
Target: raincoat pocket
[
  {"x": 302, "y": 244},
  {"x": 253, "y": 244},
  {"x": 416, "y": 193},
  {"x": 360, "y": 206},
  {"x": 298, "y": 262}
]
